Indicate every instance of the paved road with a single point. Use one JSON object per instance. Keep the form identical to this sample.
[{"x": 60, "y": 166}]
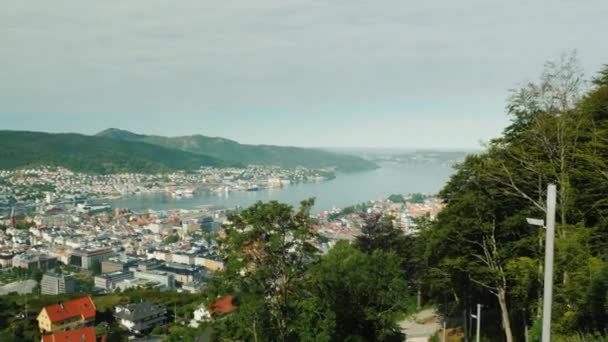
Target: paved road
[{"x": 421, "y": 326}]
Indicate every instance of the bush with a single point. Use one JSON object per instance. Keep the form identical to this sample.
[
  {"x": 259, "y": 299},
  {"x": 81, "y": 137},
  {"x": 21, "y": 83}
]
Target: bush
[{"x": 158, "y": 330}]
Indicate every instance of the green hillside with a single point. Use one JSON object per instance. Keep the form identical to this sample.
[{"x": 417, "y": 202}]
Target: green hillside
[
  {"x": 94, "y": 154},
  {"x": 225, "y": 149}
]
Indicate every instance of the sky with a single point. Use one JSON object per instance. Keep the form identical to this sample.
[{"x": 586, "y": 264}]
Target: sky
[{"x": 342, "y": 73}]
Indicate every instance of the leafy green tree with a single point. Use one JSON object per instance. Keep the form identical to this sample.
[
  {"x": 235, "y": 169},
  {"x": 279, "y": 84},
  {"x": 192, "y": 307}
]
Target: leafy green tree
[
  {"x": 267, "y": 249},
  {"x": 22, "y": 224},
  {"x": 158, "y": 330},
  {"x": 396, "y": 198},
  {"x": 96, "y": 267},
  {"x": 379, "y": 233},
  {"x": 601, "y": 80},
  {"x": 171, "y": 239},
  {"x": 367, "y": 292},
  {"x": 594, "y": 315},
  {"x": 481, "y": 243},
  {"x": 418, "y": 198}
]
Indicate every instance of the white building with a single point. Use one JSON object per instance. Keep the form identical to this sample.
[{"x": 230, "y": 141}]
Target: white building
[
  {"x": 183, "y": 259},
  {"x": 200, "y": 315}
]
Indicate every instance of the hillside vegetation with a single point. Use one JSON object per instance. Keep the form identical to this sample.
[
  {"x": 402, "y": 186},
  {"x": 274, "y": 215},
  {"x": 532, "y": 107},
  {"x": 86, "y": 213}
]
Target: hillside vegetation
[
  {"x": 284, "y": 156},
  {"x": 94, "y": 154},
  {"x": 482, "y": 250}
]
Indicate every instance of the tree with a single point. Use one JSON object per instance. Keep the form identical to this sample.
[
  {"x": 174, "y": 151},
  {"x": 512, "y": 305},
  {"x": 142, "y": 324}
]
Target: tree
[
  {"x": 367, "y": 292},
  {"x": 418, "y": 198},
  {"x": 171, "y": 239},
  {"x": 601, "y": 80},
  {"x": 96, "y": 267},
  {"x": 267, "y": 249},
  {"x": 481, "y": 242},
  {"x": 379, "y": 233},
  {"x": 396, "y": 198},
  {"x": 594, "y": 315},
  {"x": 285, "y": 290}
]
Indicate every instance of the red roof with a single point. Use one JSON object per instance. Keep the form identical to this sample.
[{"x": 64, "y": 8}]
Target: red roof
[
  {"x": 223, "y": 306},
  {"x": 79, "y": 335},
  {"x": 76, "y": 307}
]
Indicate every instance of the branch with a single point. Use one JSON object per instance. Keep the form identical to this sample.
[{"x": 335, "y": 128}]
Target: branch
[{"x": 492, "y": 289}]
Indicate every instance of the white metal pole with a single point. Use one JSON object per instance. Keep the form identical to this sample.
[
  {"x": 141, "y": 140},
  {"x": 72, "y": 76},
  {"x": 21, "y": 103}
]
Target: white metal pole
[
  {"x": 444, "y": 331},
  {"x": 478, "y": 323},
  {"x": 549, "y": 249}
]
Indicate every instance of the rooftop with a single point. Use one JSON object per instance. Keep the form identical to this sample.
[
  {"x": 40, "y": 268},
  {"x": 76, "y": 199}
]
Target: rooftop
[
  {"x": 137, "y": 311},
  {"x": 223, "y": 306},
  {"x": 79, "y": 335},
  {"x": 77, "y": 307}
]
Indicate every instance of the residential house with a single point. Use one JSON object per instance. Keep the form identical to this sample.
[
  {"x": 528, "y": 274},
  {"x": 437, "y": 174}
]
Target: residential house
[
  {"x": 220, "y": 308},
  {"x": 69, "y": 315},
  {"x": 141, "y": 317},
  {"x": 78, "y": 335}
]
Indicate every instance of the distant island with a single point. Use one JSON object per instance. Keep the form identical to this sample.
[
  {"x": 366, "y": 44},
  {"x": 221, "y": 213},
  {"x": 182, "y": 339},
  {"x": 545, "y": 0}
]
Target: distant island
[
  {"x": 446, "y": 157},
  {"x": 118, "y": 151}
]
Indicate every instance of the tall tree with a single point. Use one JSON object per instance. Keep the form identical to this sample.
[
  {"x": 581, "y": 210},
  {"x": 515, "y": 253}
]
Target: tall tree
[
  {"x": 558, "y": 135},
  {"x": 542, "y": 143},
  {"x": 267, "y": 249},
  {"x": 366, "y": 292}
]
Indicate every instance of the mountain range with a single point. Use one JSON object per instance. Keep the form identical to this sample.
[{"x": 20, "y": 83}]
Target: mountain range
[
  {"x": 225, "y": 149},
  {"x": 114, "y": 150}
]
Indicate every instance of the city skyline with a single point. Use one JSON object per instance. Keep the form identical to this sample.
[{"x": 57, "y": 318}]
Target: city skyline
[{"x": 400, "y": 75}]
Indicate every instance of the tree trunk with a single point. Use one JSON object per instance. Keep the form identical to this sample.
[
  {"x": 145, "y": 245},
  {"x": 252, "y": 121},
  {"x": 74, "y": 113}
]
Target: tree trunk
[
  {"x": 539, "y": 313},
  {"x": 506, "y": 321},
  {"x": 526, "y": 337},
  {"x": 465, "y": 315},
  {"x": 255, "y": 332}
]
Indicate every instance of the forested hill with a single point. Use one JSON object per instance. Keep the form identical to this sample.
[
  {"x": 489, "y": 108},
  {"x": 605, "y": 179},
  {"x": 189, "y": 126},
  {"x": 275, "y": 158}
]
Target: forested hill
[
  {"x": 225, "y": 149},
  {"x": 95, "y": 154},
  {"x": 481, "y": 248}
]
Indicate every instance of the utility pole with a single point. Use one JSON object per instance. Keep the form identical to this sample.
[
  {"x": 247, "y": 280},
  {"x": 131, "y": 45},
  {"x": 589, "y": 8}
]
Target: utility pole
[
  {"x": 549, "y": 249},
  {"x": 478, "y": 321},
  {"x": 549, "y": 225}
]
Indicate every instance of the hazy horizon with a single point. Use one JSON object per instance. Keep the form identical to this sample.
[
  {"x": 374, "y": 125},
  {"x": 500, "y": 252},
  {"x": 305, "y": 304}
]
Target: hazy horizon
[{"x": 400, "y": 74}]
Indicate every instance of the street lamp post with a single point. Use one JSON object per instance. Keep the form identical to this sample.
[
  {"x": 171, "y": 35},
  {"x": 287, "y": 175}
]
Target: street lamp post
[
  {"x": 549, "y": 251},
  {"x": 478, "y": 321}
]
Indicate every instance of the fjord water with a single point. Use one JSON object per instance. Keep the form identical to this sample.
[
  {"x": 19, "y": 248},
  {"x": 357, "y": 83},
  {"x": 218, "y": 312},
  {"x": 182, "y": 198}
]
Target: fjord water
[{"x": 346, "y": 189}]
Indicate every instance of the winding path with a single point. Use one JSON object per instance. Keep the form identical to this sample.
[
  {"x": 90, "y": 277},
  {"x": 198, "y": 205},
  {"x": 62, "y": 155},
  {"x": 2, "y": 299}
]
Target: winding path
[{"x": 421, "y": 326}]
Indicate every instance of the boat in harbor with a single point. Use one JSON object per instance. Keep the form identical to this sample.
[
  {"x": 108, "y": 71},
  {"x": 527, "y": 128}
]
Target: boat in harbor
[{"x": 253, "y": 187}]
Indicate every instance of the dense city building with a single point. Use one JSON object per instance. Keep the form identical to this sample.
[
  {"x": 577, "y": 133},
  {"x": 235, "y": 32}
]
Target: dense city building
[
  {"x": 87, "y": 258},
  {"x": 34, "y": 261},
  {"x": 110, "y": 281},
  {"x": 55, "y": 284}
]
